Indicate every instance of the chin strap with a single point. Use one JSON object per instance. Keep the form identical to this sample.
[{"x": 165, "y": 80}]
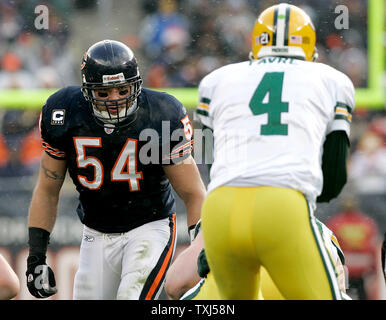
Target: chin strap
[
  {"x": 110, "y": 123},
  {"x": 315, "y": 56},
  {"x": 250, "y": 56}
]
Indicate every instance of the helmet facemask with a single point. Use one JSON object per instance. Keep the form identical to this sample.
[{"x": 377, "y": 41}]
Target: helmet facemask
[{"x": 114, "y": 111}]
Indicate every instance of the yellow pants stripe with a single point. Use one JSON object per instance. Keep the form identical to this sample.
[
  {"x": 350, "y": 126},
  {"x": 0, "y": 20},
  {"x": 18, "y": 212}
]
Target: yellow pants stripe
[{"x": 327, "y": 260}]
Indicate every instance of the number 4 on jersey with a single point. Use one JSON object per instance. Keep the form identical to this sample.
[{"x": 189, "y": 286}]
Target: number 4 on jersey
[{"x": 272, "y": 83}]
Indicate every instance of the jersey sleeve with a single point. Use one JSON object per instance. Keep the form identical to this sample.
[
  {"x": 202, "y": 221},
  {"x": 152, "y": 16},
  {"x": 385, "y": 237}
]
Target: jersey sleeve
[
  {"x": 180, "y": 144},
  {"x": 344, "y": 105},
  {"x": 206, "y": 88},
  {"x": 52, "y": 127}
]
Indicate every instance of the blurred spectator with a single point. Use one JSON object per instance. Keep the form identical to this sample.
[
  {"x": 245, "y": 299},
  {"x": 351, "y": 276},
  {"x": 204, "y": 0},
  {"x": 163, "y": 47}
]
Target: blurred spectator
[
  {"x": 352, "y": 59},
  {"x": 378, "y": 126},
  {"x": 20, "y": 143},
  {"x": 367, "y": 172},
  {"x": 165, "y": 32},
  {"x": 12, "y": 74},
  {"x": 156, "y": 76},
  {"x": 11, "y": 23},
  {"x": 234, "y": 25},
  {"x": 218, "y": 32},
  {"x": 29, "y": 58},
  {"x": 36, "y": 49},
  {"x": 360, "y": 240},
  {"x": 47, "y": 72}
]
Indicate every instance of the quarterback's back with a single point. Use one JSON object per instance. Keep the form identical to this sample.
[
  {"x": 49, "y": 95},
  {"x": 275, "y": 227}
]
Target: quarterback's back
[
  {"x": 270, "y": 117},
  {"x": 280, "y": 123}
]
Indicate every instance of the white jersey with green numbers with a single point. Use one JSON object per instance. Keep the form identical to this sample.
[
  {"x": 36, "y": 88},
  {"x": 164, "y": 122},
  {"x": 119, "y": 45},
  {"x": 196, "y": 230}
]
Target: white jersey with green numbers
[{"x": 270, "y": 118}]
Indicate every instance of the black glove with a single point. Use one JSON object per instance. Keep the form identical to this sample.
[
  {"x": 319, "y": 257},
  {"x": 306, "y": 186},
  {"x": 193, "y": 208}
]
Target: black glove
[
  {"x": 202, "y": 264},
  {"x": 40, "y": 277}
]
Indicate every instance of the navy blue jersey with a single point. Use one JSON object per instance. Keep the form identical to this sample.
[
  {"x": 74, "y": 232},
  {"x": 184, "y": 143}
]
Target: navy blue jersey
[{"x": 118, "y": 172}]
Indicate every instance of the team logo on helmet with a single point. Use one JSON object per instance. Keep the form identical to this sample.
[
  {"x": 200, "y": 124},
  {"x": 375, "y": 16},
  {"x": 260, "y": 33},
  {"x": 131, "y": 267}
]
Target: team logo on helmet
[{"x": 84, "y": 61}]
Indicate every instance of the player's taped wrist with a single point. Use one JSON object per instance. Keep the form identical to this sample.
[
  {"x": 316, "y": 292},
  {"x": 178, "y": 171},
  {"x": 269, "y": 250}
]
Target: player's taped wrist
[
  {"x": 40, "y": 277},
  {"x": 191, "y": 232},
  {"x": 194, "y": 230},
  {"x": 38, "y": 240}
]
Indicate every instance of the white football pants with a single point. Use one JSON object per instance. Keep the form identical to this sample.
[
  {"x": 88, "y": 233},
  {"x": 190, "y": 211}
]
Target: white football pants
[{"x": 128, "y": 266}]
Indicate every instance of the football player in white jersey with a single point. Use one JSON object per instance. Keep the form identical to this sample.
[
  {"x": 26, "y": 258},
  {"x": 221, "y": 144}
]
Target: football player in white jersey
[{"x": 281, "y": 125}]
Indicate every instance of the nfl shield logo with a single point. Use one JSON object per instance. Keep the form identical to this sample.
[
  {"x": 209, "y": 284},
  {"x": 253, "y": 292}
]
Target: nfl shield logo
[{"x": 109, "y": 128}]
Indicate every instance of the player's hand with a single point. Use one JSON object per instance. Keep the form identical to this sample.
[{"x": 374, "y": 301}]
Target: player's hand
[
  {"x": 202, "y": 264},
  {"x": 40, "y": 277}
]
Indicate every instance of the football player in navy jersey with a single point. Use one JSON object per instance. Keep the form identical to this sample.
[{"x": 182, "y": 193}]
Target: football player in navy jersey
[{"x": 125, "y": 147}]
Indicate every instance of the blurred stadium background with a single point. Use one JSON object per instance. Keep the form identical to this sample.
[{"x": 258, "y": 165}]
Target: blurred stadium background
[{"x": 177, "y": 42}]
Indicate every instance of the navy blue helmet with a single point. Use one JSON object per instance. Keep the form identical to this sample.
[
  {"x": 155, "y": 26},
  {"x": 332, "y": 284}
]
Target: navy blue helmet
[{"x": 111, "y": 64}]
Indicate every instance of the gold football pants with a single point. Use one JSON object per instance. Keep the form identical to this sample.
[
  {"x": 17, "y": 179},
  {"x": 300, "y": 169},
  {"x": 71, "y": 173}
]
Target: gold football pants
[{"x": 248, "y": 227}]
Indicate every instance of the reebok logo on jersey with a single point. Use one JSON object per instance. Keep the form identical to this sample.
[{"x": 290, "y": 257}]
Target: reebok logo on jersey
[
  {"x": 88, "y": 238},
  {"x": 57, "y": 117}
]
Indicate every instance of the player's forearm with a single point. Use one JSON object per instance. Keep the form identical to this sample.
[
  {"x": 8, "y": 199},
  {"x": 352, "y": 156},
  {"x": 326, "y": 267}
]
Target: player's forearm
[
  {"x": 194, "y": 195},
  {"x": 334, "y": 165},
  {"x": 43, "y": 210},
  {"x": 186, "y": 181},
  {"x": 193, "y": 204},
  {"x": 177, "y": 280},
  {"x": 9, "y": 282},
  {"x": 182, "y": 274},
  {"x": 44, "y": 203}
]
